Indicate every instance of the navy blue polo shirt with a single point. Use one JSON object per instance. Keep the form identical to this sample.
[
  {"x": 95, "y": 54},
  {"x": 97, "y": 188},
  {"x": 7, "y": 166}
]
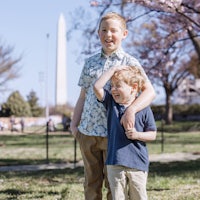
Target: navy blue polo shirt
[{"x": 121, "y": 150}]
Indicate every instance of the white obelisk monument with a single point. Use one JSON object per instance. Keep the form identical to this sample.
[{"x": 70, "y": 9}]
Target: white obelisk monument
[{"x": 61, "y": 63}]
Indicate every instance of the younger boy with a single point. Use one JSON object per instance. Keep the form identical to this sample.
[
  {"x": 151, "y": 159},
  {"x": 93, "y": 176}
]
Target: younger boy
[{"x": 127, "y": 157}]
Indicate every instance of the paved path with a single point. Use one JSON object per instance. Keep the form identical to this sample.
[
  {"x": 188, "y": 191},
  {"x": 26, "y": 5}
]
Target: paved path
[
  {"x": 40, "y": 167},
  {"x": 173, "y": 157},
  {"x": 163, "y": 158}
]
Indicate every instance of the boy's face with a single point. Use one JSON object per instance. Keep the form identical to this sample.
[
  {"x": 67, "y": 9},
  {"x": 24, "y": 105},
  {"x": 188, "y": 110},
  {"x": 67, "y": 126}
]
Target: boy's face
[
  {"x": 111, "y": 35},
  {"x": 122, "y": 93}
]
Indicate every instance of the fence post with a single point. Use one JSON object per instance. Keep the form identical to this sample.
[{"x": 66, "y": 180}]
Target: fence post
[
  {"x": 47, "y": 142},
  {"x": 74, "y": 152},
  {"x": 162, "y": 135}
]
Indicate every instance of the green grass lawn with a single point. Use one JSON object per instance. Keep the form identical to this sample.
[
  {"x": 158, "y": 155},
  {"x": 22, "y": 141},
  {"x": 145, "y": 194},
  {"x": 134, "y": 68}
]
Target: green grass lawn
[
  {"x": 32, "y": 148},
  {"x": 173, "y": 181},
  {"x": 167, "y": 181}
]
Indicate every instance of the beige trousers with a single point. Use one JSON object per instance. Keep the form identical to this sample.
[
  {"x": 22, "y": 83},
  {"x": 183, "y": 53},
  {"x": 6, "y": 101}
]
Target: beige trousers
[{"x": 127, "y": 183}]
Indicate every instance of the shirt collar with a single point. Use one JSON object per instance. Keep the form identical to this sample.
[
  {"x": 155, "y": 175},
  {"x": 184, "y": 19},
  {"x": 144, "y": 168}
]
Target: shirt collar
[{"x": 118, "y": 53}]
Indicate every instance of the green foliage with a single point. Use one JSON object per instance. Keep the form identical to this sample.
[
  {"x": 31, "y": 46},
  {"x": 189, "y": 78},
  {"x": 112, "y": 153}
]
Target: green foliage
[
  {"x": 158, "y": 111},
  {"x": 16, "y": 106},
  {"x": 187, "y": 109},
  {"x": 32, "y": 100},
  {"x": 178, "y": 126},
  {"x": 178, "y": 110}
]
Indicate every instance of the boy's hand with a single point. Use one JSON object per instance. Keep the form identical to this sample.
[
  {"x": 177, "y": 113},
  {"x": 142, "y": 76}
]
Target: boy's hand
[
  {"x": 128, "y": 119},
  {"x": 119, "y": 67},
  {"x": 132, "y": 134},
  {"x": 74, "y": 130}
]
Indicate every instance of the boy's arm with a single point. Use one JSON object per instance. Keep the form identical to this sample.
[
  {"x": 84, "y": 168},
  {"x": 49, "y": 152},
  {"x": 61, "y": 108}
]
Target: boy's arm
[
  {"x": 142, "y": 101},
  {"x": 142, "y": 136},
  {"x": 103, "y": 79},
  {"x": 77, "y": 112}
]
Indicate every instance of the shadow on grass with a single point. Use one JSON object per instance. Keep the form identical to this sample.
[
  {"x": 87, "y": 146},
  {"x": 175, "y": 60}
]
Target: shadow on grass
[
  {"x": 46, "y": 174},
  {"x": 12, "y": 192},
  {"x": 16, "y": 192},
  {"x": 161, "y": 169},
  {"x": 56, "y": 177},
  {"x": 34, "y": 140},
  {"x": 160, "y": 177},
  {"x": 11, "y": 162},
  {"x": 174, "y": 168}
]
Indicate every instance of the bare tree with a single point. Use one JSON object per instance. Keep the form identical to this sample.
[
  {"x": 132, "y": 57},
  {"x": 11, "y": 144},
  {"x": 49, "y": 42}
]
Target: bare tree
[
  {"x": 8, "y": 66},
  {"x": 167, "y": 66}
]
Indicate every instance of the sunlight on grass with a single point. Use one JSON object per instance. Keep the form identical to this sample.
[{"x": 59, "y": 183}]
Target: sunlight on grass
[
  {"x": 174, "y": 181},
  {"x": 164, "y": 183}
]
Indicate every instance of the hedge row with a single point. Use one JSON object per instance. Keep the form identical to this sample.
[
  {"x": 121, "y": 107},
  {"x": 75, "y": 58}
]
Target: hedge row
[{"x": 180, "y": 112}]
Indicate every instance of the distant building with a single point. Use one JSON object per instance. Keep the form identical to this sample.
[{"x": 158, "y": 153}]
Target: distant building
[{"x": 188, "y": 92}]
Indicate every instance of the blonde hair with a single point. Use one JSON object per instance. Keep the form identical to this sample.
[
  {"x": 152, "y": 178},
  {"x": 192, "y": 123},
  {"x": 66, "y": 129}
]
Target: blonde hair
[
  {"x": 116, "y": 16},
  {"x": 130, "y": 76}
]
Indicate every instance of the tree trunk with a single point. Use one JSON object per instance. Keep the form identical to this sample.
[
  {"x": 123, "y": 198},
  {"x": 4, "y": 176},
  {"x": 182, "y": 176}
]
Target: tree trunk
[
  {"x": 168, "y": 109},
  {"x": 195, "y": 42}
]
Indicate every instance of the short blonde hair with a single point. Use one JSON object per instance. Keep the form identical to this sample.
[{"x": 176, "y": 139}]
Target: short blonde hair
[
  {"x": 116, "y": 16},
  {"x": 130, "y": 76}
]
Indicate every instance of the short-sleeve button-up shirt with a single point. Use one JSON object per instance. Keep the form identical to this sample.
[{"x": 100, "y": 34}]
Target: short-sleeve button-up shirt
[{"x": 93, "y": 119}]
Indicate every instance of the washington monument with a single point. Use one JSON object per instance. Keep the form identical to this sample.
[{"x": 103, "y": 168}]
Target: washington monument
[{"x": 61, "y": 64}]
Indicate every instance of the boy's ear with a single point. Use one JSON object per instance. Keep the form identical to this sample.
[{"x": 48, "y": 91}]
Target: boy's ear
[
  {"x": 135, "y": 87},
  {"x": 125, "y": 33}
]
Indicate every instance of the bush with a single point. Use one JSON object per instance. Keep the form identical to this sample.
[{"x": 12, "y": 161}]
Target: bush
[{"x": 180, "y": 112}]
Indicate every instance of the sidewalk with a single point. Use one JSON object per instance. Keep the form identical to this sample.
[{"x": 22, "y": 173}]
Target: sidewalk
[
  {"x": 174, "y": 157},
  {"x": 163, "y": 158}
]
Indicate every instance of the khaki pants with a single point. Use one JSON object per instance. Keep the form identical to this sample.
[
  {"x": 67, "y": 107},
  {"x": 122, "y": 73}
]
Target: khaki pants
[
  {"x": 127, "y": 183},
  {"x": 93, "y": 150}
]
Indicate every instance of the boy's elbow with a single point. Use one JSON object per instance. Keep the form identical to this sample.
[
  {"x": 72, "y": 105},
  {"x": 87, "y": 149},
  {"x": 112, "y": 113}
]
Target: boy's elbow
[
  {"x": 95, "y": 88},
  {"x": 154, "y": 135},
  {"x": 151, "y": 90}
]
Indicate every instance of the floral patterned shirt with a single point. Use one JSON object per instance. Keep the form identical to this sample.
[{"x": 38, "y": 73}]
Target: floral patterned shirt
[{"x": 93, "y": 119}]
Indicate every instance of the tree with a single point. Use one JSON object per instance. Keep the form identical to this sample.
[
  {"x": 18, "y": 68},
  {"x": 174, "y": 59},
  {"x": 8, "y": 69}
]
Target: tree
[
  {"x": 164, "y": 34},
  {"x": 32, "y": 100},
  {"x": 170, "y": 45},
  {"x": 169, "y": 70},
  {"x": 8, "y": 66},
  {"x": 16, "y": 106}
]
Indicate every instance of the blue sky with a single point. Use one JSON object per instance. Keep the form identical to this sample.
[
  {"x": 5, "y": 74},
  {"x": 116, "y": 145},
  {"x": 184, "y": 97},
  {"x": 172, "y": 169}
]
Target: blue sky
[{"x": 24, "y": 26}]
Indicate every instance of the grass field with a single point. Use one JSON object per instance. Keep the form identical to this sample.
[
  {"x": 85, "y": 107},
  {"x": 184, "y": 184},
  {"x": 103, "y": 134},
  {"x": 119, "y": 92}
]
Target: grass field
[
  {"x": 174, "y": 181},
  {"x": 31, "y": 148},
  {"x": 167, "y": 181}
]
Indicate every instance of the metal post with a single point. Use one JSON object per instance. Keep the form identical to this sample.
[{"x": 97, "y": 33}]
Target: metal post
[
  {"x": 75, "y": 152},
  {"x": 47, "y": 142},
  {"x": 162, "y": 135},
  {"x": 47, "y": 104}
]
